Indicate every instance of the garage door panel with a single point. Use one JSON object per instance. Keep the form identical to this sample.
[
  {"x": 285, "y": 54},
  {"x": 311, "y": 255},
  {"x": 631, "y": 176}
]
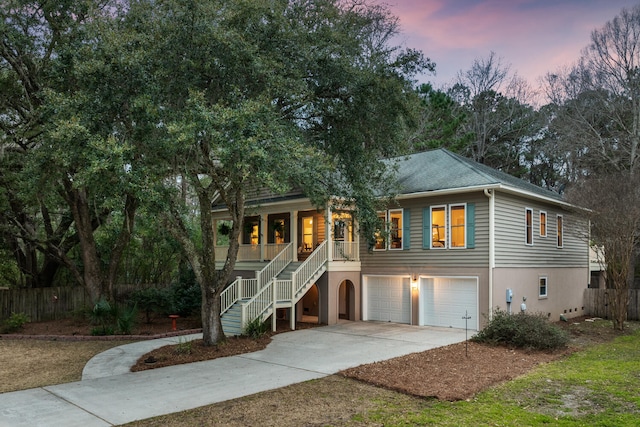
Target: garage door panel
[
  {"x": 445, "y": 301},
  {"x": 389, "y": 299}
]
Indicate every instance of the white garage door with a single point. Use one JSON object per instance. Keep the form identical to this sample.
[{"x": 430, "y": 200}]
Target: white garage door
[
  {"x": 389, "y": 299},
  {"x": 446, "y": 301}
]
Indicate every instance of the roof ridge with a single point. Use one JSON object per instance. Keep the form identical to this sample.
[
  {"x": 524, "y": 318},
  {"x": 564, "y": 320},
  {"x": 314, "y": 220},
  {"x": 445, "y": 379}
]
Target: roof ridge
[{"x": 470, "y": 164}]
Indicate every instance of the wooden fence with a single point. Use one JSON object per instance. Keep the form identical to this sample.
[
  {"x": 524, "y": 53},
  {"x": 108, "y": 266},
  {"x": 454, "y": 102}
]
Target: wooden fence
[
  {"x": 47, "y": 303},
  {"x": 596, "y": 303}
]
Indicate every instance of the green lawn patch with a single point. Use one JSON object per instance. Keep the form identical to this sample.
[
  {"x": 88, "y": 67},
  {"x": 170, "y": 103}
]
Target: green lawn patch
[{"x": 599, "y": 386}]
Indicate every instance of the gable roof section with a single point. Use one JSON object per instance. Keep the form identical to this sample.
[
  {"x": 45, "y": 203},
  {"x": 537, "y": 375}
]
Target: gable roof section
[{"x": 441, "y": 170}]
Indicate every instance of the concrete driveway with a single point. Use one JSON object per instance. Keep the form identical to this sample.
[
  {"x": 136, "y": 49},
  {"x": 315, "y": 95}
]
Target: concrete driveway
[{"x": 103, "y": 400}]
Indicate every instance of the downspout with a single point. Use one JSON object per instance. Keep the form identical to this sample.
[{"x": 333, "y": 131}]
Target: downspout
[{"x": 492, "y": 246}]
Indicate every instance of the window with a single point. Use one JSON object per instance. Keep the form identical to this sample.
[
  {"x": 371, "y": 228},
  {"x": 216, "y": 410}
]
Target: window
[
  {"x": 542, "y": 287},
  {"x": 438, "y": 227},
  {"x": 529, "y": 226},
  {"x": 559, "y": 226},
  {"x": 381, "y": 242},
  {"x": 251, "y": 231},
  {"x": 543, "y": 224},
  {"x": 393, "y": 224},
  {"x": 395, "y": 229},
  {"x": 457, "y": 221}
]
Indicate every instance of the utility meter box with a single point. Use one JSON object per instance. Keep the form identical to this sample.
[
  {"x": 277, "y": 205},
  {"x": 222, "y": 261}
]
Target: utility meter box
[{"x": 509, "y": 295}]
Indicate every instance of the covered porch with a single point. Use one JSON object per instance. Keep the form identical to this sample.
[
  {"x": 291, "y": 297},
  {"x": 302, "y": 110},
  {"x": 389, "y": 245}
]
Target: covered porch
[{"x": 267, "y": 234}]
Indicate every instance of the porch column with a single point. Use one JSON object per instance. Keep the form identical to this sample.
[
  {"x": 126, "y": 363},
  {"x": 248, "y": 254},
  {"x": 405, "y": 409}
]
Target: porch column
[
  {"x": 329, "y": 233},
  {"x": 264, "y": 230},
  {"x": 292, "y": 317},
  {"x": 294, "y": 234}
]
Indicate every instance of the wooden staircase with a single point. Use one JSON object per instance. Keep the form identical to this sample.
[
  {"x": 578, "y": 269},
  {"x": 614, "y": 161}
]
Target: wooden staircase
[{"x": 247, "y": 299}]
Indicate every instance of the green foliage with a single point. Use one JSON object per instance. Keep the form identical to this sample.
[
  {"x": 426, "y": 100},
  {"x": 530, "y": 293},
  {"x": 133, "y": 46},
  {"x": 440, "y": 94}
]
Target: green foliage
[
  {"x": 522, "y": 330},
  {"x": 256, "y": 328},
  {"x": 126, "y": 319},
  {"x": 14, "y": 323},
  {"x": 183, "y": 347},
  {"x": 151, "y": 300},
  {"x": 102, "y": 315},
  {"x": 110, "y": 319},
  {"x": 186, "y": 299}
]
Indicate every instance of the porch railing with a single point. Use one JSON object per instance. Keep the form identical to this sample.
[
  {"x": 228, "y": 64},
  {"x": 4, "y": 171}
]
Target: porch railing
[
  {"x": 346, "y": 251},
  {"x": 252, "y": 252}
]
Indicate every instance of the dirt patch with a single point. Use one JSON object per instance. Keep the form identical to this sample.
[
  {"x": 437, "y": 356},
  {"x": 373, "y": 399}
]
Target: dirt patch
[
  {"x": 76, "y": 328},
  {"x": 195, "y": 351},
  {"x": 454, "y": 372}
]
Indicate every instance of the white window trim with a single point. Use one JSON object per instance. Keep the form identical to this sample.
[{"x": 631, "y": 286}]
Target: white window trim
[
  {"x": 526, "y": 210},
  {"x": 560, "y": 220},
  {"x": 546, "y": 223},
  {"x": 400, "y": 229},
  {"x": 546, "y": 287},
  {"x": 446, "y": 227},
  {"x": 464, "y": 205}
]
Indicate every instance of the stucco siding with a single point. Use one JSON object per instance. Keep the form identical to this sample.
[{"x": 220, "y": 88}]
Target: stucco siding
[{"x": 565, "y": 289}]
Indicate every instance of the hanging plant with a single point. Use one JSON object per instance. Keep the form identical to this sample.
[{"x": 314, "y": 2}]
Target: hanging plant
[{"x": 224, "y": 229}]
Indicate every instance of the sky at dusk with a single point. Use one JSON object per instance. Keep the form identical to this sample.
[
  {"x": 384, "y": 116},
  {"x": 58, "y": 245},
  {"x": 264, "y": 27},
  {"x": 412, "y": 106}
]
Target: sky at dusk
[{"x": 534, "y": 36}]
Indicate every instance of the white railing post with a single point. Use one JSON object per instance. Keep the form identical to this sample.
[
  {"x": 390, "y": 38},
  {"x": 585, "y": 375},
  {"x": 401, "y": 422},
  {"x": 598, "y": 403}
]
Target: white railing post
[
  {"x": 243, "y": 316},
  {"x": 239, "y": 284},
  {"x": 274, "y": 299}
]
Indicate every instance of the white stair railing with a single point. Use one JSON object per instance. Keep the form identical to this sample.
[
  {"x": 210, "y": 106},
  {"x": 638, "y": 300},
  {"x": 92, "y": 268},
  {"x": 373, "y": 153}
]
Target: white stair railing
[
  {"x": 258, "y": 305},
  {"x": 239, "y": 289},
  {"x": 277, "y": 264},
  {"x": 263, "y": 301},
  {"x": 309, "y": 268}
]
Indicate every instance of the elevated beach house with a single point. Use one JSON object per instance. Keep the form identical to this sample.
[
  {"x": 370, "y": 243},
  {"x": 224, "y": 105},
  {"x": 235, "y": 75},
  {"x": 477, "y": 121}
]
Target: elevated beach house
[{"x": 463, "y": 239}]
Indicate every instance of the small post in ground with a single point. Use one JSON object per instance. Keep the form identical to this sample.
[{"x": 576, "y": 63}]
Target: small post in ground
[{"x": 466, "y": 318}]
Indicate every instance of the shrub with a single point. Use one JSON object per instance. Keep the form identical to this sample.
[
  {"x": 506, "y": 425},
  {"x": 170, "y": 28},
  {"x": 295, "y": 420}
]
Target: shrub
[
  {"x": 102, "y": 315},
  {"x": 522, "y": 330},
  {"x": 183, "y": 347},
  {"x": 14, "y": 323},
  {"x": 151, "y": 300},
  {"x": 185, "y": 299},
  {"x": 256, "y": 328},
  {"x": 126, "y": 320}
]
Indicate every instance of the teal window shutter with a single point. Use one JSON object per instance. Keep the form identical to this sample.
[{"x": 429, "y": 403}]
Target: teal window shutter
[
  {"x": 471, "y": 225},
  {"x": 406, "y": 228},
  {"x": 426, "y": 228}
]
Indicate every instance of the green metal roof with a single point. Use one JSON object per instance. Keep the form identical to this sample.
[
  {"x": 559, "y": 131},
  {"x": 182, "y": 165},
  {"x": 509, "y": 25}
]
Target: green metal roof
[{"x": 440, "y": 169}]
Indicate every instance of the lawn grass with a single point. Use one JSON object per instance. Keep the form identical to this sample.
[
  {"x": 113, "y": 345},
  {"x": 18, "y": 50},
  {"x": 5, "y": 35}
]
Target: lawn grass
[
  {"x": 599, "y": 386},
  {"x": 36, "y": 363}
]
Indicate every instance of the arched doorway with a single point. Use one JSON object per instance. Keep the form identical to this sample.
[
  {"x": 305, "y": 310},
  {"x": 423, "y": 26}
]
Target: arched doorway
[
  {"x": 346, "y": 300},
  {"x": 310, "y": 305}
]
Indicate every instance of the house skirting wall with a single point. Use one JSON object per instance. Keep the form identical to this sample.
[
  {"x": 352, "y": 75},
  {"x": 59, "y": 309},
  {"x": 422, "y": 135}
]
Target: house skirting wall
[
  {"x": 565, "y": 290},
  {"x": 332, "y": 301}
]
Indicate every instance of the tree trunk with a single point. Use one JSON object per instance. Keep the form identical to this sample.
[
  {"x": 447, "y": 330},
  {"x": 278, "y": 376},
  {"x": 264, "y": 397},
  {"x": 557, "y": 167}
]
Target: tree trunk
[
  {"x": 212, "y": 332},
  {"x": 78, "y": 201}
]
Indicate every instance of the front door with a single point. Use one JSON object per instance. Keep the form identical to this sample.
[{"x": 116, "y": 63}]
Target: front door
[{"x": 311, "y": 232}]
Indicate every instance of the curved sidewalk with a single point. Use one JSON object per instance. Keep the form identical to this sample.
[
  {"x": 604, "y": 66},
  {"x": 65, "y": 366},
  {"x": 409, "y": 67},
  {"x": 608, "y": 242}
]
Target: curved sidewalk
[
  {"x": 290, "y": 358},
  {"x": 119, "y": 360}
]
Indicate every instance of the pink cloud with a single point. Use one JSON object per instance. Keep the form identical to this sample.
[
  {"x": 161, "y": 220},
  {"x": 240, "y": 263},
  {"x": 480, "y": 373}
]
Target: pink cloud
[{"x": 535, "y": 36}]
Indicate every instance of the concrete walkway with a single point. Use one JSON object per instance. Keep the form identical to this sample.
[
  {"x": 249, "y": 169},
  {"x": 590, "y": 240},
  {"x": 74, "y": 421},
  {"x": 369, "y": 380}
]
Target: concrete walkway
[{"x": 110, "y": 395}]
